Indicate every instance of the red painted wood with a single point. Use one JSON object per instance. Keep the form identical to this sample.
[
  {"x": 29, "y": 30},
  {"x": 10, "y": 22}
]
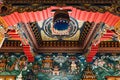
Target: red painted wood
[
  {"x": 89, "y": 16},
  {"x": 41, "y": 15},
  {"x": 107, "y": 36},
  {"x": 86, "y": 17},
  {"x": 11, "y": 20},
  {"x": 27, "y": 17},
  {"x": 82, "y": 15},
  {"x": 74, "y": 10},
  {"x": 7, "y": 20},
  {"x": 26, "y": 49},
  {"x": 99, "y": 17},
  {"x": 92, "y": 17},
  {"x": 14, "y": 35},
  {"x": 116, "y": 19},
  {"x": 15, "y": 19},
  {"x": 17, "y": 15},
  {"x": 111, "y": 20},
  {"x": 37, "y": 16},
  {"x": 77, "y": 14},
  {"x": 95, "y": 16},
  {"x": 45, "y": 14},
  {"x": 109, "y": 17},
  {"x": 106, "y": 14},
  {"x": 31, "y": 16},
  {"x": 49, "y": 12},
  {"x": 92, "y": 53},
  {"x": 24, "y": 18}
]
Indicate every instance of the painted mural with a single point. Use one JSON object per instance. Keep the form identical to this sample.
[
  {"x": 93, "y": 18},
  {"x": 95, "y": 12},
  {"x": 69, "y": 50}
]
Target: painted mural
[
  {"x": 58, "y": 66},
  {"x": 106, "y": 65}
]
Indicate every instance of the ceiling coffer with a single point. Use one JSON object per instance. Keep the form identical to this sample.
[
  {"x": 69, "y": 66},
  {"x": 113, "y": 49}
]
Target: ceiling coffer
[{"x": 61, "y": 20}]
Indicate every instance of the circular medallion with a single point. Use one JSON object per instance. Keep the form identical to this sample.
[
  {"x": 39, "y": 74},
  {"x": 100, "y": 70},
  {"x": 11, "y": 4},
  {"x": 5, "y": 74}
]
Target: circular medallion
[{"x": 60, "y": 31}]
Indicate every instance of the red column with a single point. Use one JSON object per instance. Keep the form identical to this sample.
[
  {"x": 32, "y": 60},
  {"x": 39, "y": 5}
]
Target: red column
[
  {"x": 27, "y": 51},
  {"x": 92, "y": 53},
  {"x": 26, "y": 48}
]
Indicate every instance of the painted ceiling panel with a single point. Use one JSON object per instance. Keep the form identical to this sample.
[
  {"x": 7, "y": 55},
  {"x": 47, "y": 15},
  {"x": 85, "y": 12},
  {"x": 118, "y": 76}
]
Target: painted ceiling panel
[
  {"x": 50, "y": 31},
  {"x": 75, "y": 37},
  {"x": 45, "y": 29},
  {"x": 46, "y": 38}
]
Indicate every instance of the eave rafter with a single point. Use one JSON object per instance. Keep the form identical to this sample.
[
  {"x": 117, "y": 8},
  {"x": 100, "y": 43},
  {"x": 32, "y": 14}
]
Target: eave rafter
[
  {"x": 85, "y": 33},
  {"x": 11, "y": 46},
  {"x": 34, "y": 31},
  {"x": 89, "y": 5}
]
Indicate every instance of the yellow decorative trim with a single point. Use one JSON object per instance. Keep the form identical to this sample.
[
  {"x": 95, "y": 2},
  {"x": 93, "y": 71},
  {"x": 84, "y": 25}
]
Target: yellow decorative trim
[
  {"x": 117, "y": 27},
  {"x": 3, "y": 22},
  {"x": 1, "y": 38},
  {"x": 46, "y": 38},
  {"x": 75, "y": 37}
]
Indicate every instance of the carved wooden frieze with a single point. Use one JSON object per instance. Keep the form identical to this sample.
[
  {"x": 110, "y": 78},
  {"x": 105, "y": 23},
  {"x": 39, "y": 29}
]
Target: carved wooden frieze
[
  {"x": 59, "y": 44},
  {"x": 61, "y": 1},
  {"x": 10, "y": 6},
  {"x": 12, "y": 43},
  {"x": 108, "y": 44}
]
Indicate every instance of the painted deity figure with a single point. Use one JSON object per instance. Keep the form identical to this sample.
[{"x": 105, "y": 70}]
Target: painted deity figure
[
  {"x": 56, "y": 71},
  {"x": 73, "y": 66},
  {"x": 22, "y": 62},
  {"x": 2, "y": 64},
  {"x": 36, "y": 68},
  {"x": 47, "y": 63}
]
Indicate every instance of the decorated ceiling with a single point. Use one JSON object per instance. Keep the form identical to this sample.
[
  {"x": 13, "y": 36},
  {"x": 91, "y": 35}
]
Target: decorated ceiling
[
  {"x": 59, "y": 40},
  {"x": 49, "y": 28}
]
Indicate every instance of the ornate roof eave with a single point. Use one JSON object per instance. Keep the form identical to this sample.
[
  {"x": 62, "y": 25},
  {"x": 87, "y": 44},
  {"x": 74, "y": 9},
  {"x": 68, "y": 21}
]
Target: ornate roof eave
[
  {"x": 31, "y": 36},
  {"x": 91, "y": 35},
  {"x": 61, "y": 1}
]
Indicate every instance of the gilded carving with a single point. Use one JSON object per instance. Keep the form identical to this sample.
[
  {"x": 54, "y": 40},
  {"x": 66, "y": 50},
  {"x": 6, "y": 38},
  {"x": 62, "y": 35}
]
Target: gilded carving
[
  {"x": 117, "y": 29},
  {"x": 3, "y": 23}
]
